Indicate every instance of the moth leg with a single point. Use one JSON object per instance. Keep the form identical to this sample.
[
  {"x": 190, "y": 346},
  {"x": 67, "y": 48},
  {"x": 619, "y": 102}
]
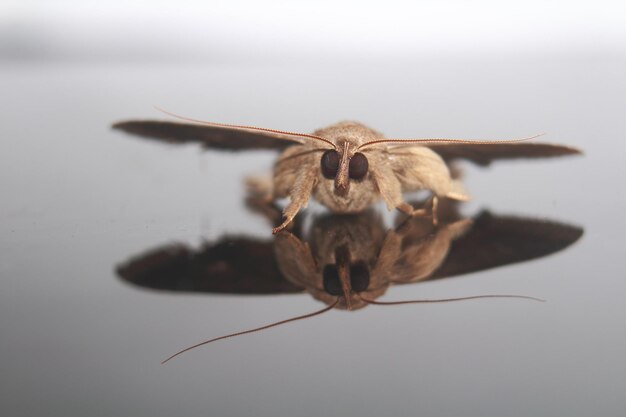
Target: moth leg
[
  {"x": 433, "y": 209},
  {"x": 433, "y": 202},
  {"x": 409, "y": 210},
  {"x": 299, "y": 197},
  {"x": 288, "y": 215}
]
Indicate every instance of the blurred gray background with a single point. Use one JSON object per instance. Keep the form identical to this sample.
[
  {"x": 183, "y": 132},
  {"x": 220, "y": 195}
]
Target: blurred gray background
[
  {"x": 77, "y": 199},
  {"x": 321, "y": 32}
]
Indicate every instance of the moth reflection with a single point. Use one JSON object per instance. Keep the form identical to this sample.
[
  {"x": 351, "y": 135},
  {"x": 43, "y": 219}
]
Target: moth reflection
[
  {"x": 348, "y": 261},
  {"x": 350, "y": 258}
]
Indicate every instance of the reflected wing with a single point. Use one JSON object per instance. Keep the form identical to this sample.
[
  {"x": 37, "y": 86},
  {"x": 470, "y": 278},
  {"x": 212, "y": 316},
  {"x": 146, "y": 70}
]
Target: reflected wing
[
  {"x": 485, "y": 154},
  {"x": 502, "y": 240},
  {"x": 212, "y": 137},
  {"x": 230, "y": 266}
]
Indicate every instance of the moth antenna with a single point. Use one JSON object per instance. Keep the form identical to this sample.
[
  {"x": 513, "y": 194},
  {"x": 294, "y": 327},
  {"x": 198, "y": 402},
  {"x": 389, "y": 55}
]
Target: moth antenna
[
  {"x": 450, "y": 141},
  {"x": 262, "y": 129},
  {"x": 267, "y": 326},
  {"x": 445, "y": 300}
]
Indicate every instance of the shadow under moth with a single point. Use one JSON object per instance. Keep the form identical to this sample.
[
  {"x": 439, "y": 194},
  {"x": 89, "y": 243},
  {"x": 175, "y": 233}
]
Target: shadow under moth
[{"x": 347, "y": 166}]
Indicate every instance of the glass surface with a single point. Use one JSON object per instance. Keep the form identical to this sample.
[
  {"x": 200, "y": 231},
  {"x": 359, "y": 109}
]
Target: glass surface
[{"x": 80, "y": 200}]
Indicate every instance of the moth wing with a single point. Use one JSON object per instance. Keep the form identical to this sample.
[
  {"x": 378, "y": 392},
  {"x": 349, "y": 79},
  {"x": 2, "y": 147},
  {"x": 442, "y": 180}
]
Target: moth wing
[
  {"x": 210, "y": 137},
  {"x": 484, "y": 154},
  {"x": 229, "y": 266},
  {"x": 496, "y": 241}
]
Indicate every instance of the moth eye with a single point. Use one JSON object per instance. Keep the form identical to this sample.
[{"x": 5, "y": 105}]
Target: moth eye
[
  {"x": 330, "y": 164},
  {"x": 359, "y": 277},
  {"x": 358, "y": 166},
  {"x": 331, "y": 280}
]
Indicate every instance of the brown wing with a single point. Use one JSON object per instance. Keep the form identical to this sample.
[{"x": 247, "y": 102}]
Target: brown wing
[
  {"x": 485, "y": 154},
  {"x": 495, "y": 241},
  {"x": 212, "y": 137},
  {"x": 230, "y": 266}
]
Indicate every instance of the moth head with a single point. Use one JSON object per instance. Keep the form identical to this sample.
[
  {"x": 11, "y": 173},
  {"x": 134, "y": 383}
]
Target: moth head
[
  {"x": 343, "y": 165},
  {"x": 346, "y": 278}
]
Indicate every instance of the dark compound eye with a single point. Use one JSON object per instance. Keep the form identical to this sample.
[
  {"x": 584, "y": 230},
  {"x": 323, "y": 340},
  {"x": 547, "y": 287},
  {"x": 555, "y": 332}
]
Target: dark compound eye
[
  {"x": 358, "y": 166},
  {"x": 331, "y": 280},
  {"x": 330, "y": 164},
  {"x": 359, "y": 277}
]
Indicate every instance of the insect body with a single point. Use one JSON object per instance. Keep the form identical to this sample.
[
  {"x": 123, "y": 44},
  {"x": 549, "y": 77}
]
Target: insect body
[
  {"x": 351, "y": 176},
  {"x": 348, "y": 166}
]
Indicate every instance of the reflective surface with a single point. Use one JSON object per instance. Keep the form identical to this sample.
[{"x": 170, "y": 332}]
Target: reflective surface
[{"x": 80, "y": 201}]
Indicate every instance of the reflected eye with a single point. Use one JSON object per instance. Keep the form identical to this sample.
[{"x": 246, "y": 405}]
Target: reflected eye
[
  {"x": 358, "y": 166},
  {"x": 359, "y": 277},
  {"x": 331, "y": 280},
  {"x": 330, "y": 164}
]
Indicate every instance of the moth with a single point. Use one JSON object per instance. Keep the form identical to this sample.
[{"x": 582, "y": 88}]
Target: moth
[
  {"x": 347, "y": 166},
  {"x": 349, "y": 261}
]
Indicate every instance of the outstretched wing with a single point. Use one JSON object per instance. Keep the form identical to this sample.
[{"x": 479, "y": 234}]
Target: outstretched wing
[
  {"x": 495, "y": 241},
  {"x": 213, "y": 137},
  {"x": 229, "y": 266},
  {"x": 484, "y": 154}
]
